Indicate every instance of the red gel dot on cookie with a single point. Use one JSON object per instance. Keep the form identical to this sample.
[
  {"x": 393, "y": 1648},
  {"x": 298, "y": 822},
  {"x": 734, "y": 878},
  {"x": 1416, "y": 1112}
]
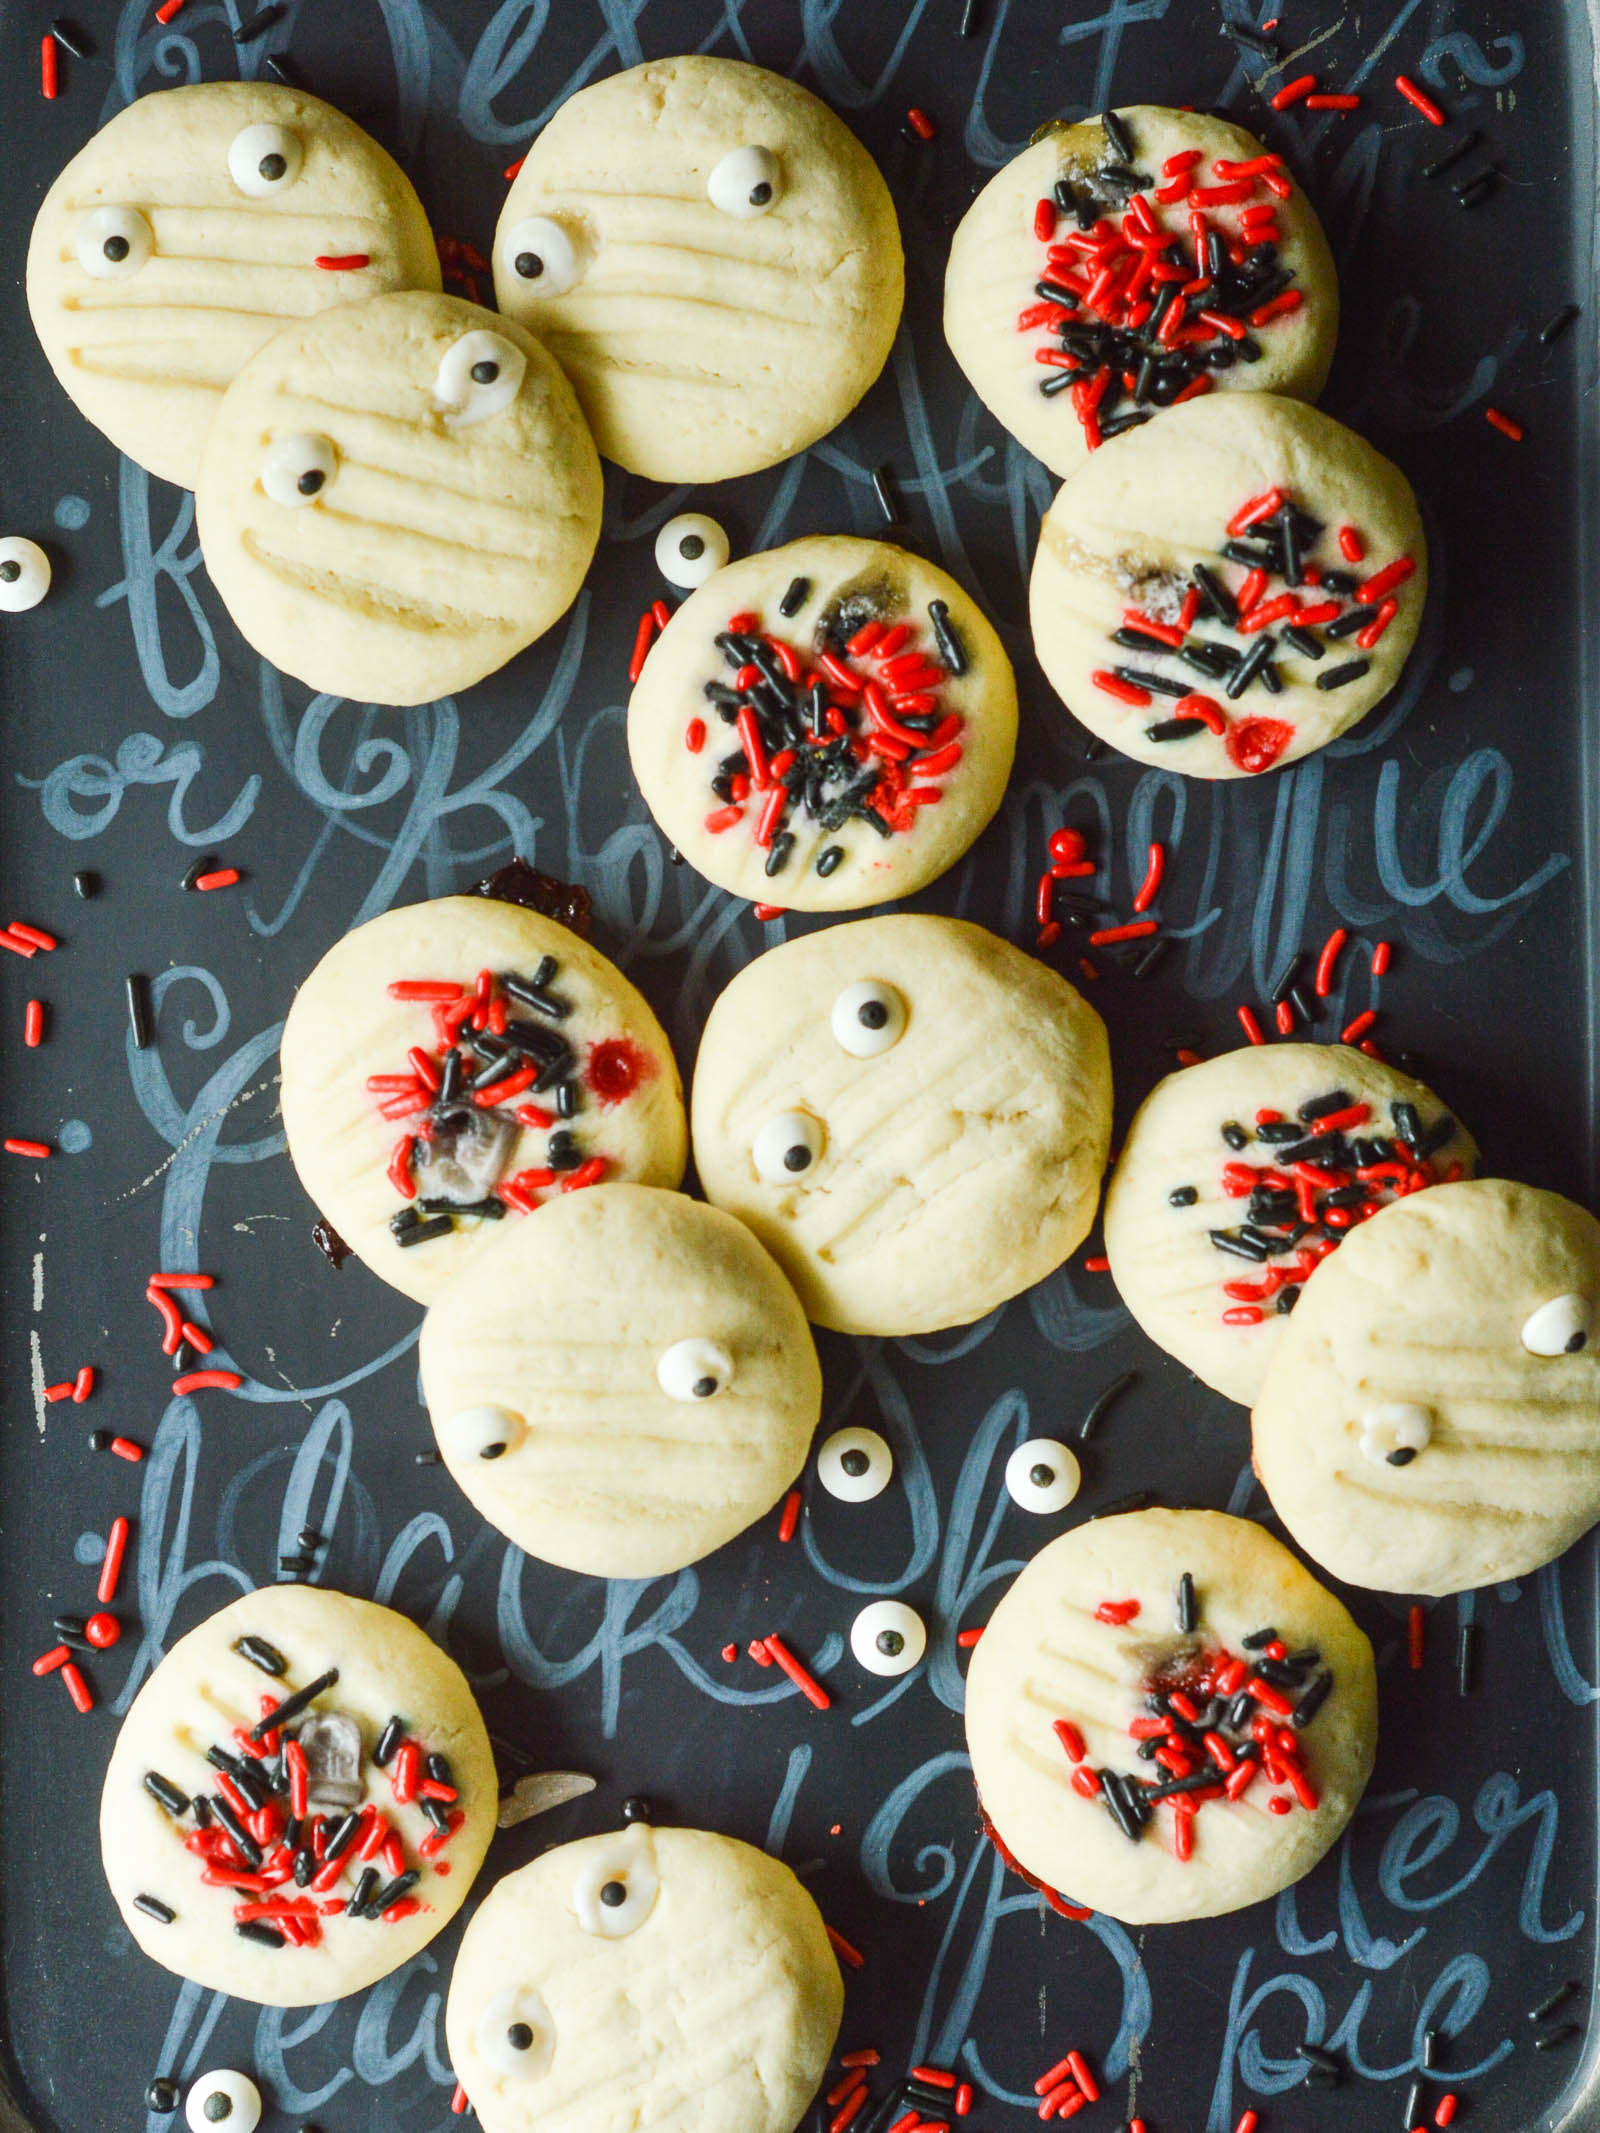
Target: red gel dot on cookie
[
  {"x": 616, "y": 1068},
  {"x": 102, "y": 1631},
  {"x": 1256, "y": 743}
]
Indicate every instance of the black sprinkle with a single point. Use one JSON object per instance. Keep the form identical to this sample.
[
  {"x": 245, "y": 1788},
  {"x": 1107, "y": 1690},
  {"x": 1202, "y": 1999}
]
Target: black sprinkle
[
  {"x": 795, "y": 598},
  {"x": 206, "y": 865},
  {"x": 1183, "y": 1196},
  {"x": 1430, "y": 2048},
  {"x": 1413, "y": 2112},
  {"x": 86, "y": 885},
  {"x": 1250, "y": 668},
  {"x": 1235, "y": 1136},
  {"x": 1317, "y": 2056},
  {"x": 295, "y": 1566},
  {"x": 888, "y": 499},
  {"x": 1146, "y": 963},
  {"x": 1259, "y": 1639},
  {"x": 423, "y": 1232},
  {"x": 292, "y": 1706},
  {"x": 1301, "y": 1005},
  {"x": 1306, "y": 642},
  {"x": 1548, "y": 2005},
  {"x": 153, "y": 1907},
  {"x": 258, "y": 1930},
  {"x": 402, "y": 1885},
  {"x": 260, "y": 22},
  {"x": 1322, "y": 1106},
  {"x": 1467, "y": 1658},
  {"x": 365, "y": 1889},
  {"x": 162, "y": 2096},
  {"x": 1338, "y": 677},
  {"x": 308, "y": 1537},
  {"x": 1554, "y": 328},
  {"x": 70, "y": 1629},
  {"x": 1123, "y": 1812},
  {"x": 1215, "y": 595},
  {"x": 140, "y": 1015},
  {"x": 99, "y": 1440},
  {"x": 388, "y": 1740},
  {"x": 263, "y": 1655},
  {"x": 426, "y": 1459},
  {"x": 249, "y": 1850},
  {"x": 951, "y": 648},
  {"x": 71, "y": 38},
  {"x": 1174, "y": 729},
  {"x": 1187, "y": 1608},
  {"x": 1477, "y": 189},
  {"x": 1103, "y": 1404},
  {"x": 1452, "y": 155},
  {"x": 1121, "y": 141},
  {"x": 163, "y": 1789},
  {"x": 969, "y": 17},
  {"x": 1135, "y": 1500},
  {"x": 279, "y": 67},
  {"x": 1312, "y": 1701},
  {"x": 342, "y": 1836},
  {"x": 1547, "y": 2038},
  {"x": 1241, "y": 1246},
  {"x": 636, "y": 1808},
  {"x": 436, "y": 1813},
  {"x": 829, "y": 859}
]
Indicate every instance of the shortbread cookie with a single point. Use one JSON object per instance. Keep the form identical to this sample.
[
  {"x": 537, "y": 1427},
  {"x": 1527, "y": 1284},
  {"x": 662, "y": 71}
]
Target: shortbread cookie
[
  {"x": 714, "y": 259},
  {"x": 456, "y": 1064},
  {"x": 193, "y": 226},
  {"x": 1430, "y": 1421},
  {"x": 911, "y": 1114},
  {"x": 1070, "y": 298},
  {"x": 826, "y": 725},
  {"x": 1168, "y": 1717}
]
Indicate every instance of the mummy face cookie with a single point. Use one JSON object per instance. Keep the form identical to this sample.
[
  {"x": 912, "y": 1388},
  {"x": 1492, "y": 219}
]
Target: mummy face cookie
[
  {"x": 455, "y": 1065},
  {"x": 1229, "y": 590},
  {"x": 625, "y": 1385},
  {"x": 1201, "y": 1634},
  {"x": 188, "y": 231},
  {"x": 1430, "y": 1421},
  {"x": 397, "y": 496},
  {"x": 713, "y": 258},
  {"x": 826, "y": 725},
  {"x": 706, "y": 1956},
  {"x": 298, "y": 1799},
  {"x": 911, "y": 1114},
  {"x": 1239, "y": 1176},
  {"x": 1070, "y": 298}
]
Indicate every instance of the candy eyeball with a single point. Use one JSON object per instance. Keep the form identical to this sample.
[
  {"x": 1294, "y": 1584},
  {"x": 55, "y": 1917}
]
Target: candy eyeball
[
  {"x": 541, "y": 255},
  {"x": 263, "y": 160},
  {"x": 868, "y": 1018},
  {"x": 478, "y": 376},
  {"x": 24, "y": 574},
  {"x": 694, "y": 1370},
  {"x": 888, "y": 1637},
  {"x": 689, "y": 548},
  {"x": 855, "y": 1465},
  {"x": 482, "y": 1432},
  {"x": 515, "y": 2034},
  {"x": 223, "y": 2099},
  {"x": 1042, "y": 1475},
  {"x": 1560, "y": 1327},
  {"x": 786, "y": 1147},
  {"x": 746, "y": 182},
  {"x": 114, "y": 242},
  {"x": 297, "y": 468},
  {"x": 1392, "y": 1435},
  {"x": 617, "y": 1884}
]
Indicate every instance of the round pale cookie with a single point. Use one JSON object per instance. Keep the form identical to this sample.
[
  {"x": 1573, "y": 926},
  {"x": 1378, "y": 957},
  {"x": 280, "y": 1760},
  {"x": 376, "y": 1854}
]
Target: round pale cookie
[
  {"x": 1211, "y": 1226},
  {"x": 714, "y": 258},
  {"x": 193, "y": 226},
  {"x": 1083, "y": 1660},
  {"x": 911, "y": 1114},
  {"x": 173, "y": 1863},
  {"x": 625, "y": 1385},
  {"x": 1148, "y": 553},
  {"x": 1430, "y": 1421},
  {"x": 588, "y": 1089},
  {"x": 1020, "y": 288},
  {"x": 839, "y": 640},
  {"x": 659, "y": 1977},
  {"x": 398, "y": 496}
]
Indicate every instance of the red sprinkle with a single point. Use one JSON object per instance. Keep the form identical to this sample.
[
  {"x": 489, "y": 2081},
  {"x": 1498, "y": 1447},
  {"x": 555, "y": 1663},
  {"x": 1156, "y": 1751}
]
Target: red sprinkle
[
  {"x": 1342, "y": 102},
  {"x": 63, "y": 1391},
  {"x": 920, "y": 123},
  {"x": 424, "y": 989},
  {"x": 83, "y": 1384},
  {"x": 1057, "y": 2074},
  {"x": 33, "y": 1024},
  {"x": 48, "y": 1662},
  {"x": 1125, "y": 692},
  {"x": 963, "y": 2099},
  {"x": 1353, "y": 1032},
  {"x": 1416, "y": 1636},
  {"x": 38, "y": 1150},
  {"x": 643, "y": 638},
  {"x": 1044, "y": 220},
  {"x": 937, "y": 2077},
  {"x": 862, "y": 2058},
  {"x": 967, "y": 1638},
  {"x": 35, "y": 936},
  {"x": 1331, "y": 949},
  {"x": 1446, "y": 2110},
  {"x": 791, "y": 1518},
  {"x": 1419, "y": 100},
  {"x": 787, "y": 1663},
  {"x": 125, "y": 1448},
  {"x": 1250, "y": 1026},
  {"x": 694, "y": 736},
  {"x": 1385, "y": 580},
  {"x": 1082, "y": 2076},
  {"x": 1382, "y": 955},
  {"x": 207, "y": 1381},
  {"x": 459, "y": 2101},
  {"x": 220, "y": 878},
  {"x": 1155, "y": 868},
  {"x": 853, "y": 2080},
  {"x": 1247, "y": 2123},
  {"x": 102, "y": 1631},
  {"x": 77, "y": 1688},
  {"x": 1097, "y": 1265},
  {"x": 1507, "y": 425},
  {"x": 167, "y": 9},
  {"x": 1116, "y": 1612},
  {"x": 1070, "y": 1738},
  {"x": 1293, "y": 91},
  {"x": 1137, "y": 931},
  {"x": 342, "y": 262},
  {"x": 111, "y": 1563},
  {"x": 48, "y": 60},
  {"x": 1283, "y": 1015},
  {"x": 842, "y": 1948}
]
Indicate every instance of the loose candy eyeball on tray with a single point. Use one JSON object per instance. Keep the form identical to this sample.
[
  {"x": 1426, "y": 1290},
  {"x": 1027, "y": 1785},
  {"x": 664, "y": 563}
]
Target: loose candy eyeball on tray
[
  {"x": 223, "y": 2102},
  {"x": 25, "y": 574}
]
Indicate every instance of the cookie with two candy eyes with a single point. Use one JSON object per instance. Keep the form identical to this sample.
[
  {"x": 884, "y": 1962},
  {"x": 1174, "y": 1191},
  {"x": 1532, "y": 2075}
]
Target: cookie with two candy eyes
[{"x": 1430, "y": 1421}]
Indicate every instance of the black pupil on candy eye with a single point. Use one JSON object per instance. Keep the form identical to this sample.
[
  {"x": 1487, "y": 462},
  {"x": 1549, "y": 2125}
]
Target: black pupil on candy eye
[
  {"x": 854, "y": 1463},
  {"x": 520, "y": 2037},
  {"x": 1577, "y": 1341},
  {"x": 872, "y": 1014},
  {"x": 691, "y": 548},
  {"x": 311, "y": 481},
  {"x": 1041, "y": 1476},
  {"x": 760, "y": 194},
  {"x": 115, "y": 249},
  {"x": 704, "y": 1388},
  {"x": 891, "y": 1643},
  {"x": 218, "y": 2107},
  {"x": 272, "y": 168},
  {"x": 485, "y": 373},
  {"x": 491, "y": 1451},
  {"x": 797, "y": 1158},
  {"x": 10, "y": 571},
  {"x": 612, "y": 1893},
  {"x": 1402, "y": 1455},
  {"x": 529, "y": 265}
]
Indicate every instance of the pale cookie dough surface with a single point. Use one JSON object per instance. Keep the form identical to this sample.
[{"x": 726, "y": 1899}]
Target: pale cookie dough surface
[
  {"x": 703, "y": 343},
  {"x": 345, "y": 1027},
  {"x": 1045, "y": 1658},
  {"x": 706, "y": 2001},
  {"x": 653, "y": 1376},
  {"x": 1125, "y": 533},
  {"x": 198, "y": 1694},
  {"x": 1217, "y": 1309},
  {"x": 1415, "y": 1338},
  {"x": 943, "y": 1172},
  {"x": 678, "y": 737},
  {"x": 147, "y": 346},
  {"x": 451, "y": 526},
  {"x": 997, "y": 261}
]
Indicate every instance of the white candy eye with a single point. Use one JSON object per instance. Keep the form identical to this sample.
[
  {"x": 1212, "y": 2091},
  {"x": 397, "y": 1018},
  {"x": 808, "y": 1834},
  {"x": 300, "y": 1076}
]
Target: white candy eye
[
  {"x": 482, "y": 1432},
  {"x": 1392, "y": 1435},
  {"x": 541, "y": 255},
  {"x": 223, "y": 2099},
  {"x": 689, "y": 548},
  {"x": 1560, "y": 1327},
  {"x": 617, "y": 1883},
  {"x": 694, "y": 1370},
  {"x": 888, "y": 1637},
  {"x": 263, "y": 160},
  {"x": 24, "y": 574},
  {"x": 478, "y": 377},
  {"x": 297, "y": 468},
  {"x": 114, "y": 242},
  {"x": 855, "y": 1465},
  {"x": 515, "y": 2034},
  {"x": 1042, "y": 1475},
  {"x": 746, "y": 182},
  {"x": 868, "y": 1018},
  {"x": 786, "y": 1147}
]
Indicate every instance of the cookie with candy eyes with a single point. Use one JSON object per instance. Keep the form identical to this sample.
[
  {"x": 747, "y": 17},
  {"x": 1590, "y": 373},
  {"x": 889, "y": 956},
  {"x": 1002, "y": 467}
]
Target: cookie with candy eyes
[
  {"x": 295, "y": 1861},
  {"x": 625, "y": 1384},
  {"x": 1430, "y": 1421},
  {"x": 398, "y": 496},
  {"x": 1168, "y": 1717},
  {"x": 1230, "y": 588},
  {"x": 1239, "y": 1176},
  {"x": 454, "y": 1066},
  {"x": 195, "y": 224},
  {"x": 659, "y": 1977},
  {"x": 714, "y": 259},
  {"x": 826, "y": 725},
  {"x": 1065, "y": 297},
  {"x": 911, "y": 1114}
]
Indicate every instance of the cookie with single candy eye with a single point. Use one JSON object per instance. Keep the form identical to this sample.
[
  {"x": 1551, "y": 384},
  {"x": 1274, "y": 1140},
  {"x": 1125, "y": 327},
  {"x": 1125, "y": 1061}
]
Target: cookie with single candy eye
[
  {"x": 1430, "y": 1420},
  {"x": 194, "y": 225},
  {"x": 397, "y": 496},
  {"x": 657, "y": 1977},
  {"x": 911, "y": 1114},
  {"x": 453, "y": 1066},
  {"x": 714, "y": 259},
  {"x": 1230, "y": 588},
  {"x": 626, "y": 1383}
]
